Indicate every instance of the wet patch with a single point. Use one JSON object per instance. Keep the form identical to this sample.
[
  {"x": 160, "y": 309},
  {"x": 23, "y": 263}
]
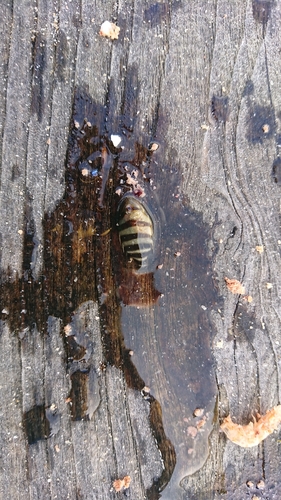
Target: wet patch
[
  {"x": 220, "y": 108},
  {"x": 276, "y": 171},
  {"x": 249, "y": 89},
  {"x": 160, "y": 13},
  {"x": 30, "y": 244},
  {"x": 172, "y": 338},
  {"x": 261, "y": 124},
  {"x": 35, "y": 424},
  {"x": 262, "y": 10},
  {"x": 40, "y": 423},
  {"x": 157, "y": 13},
  {"x": 78, "y": 398},
  {"x": 155, "y": 322}
]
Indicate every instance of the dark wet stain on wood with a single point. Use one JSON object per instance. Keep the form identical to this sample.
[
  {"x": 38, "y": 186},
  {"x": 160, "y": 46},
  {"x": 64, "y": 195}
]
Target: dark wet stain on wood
[
  {"x": 41, "y": 422},
  {"x": 276, "y": 171},
  {"x": 220, "y": 108},
  {"x": 36, "y": 424},
  {"x": 261, "y": 123},
  {"x": 79, "y": 395},
  {"x": 262, "y": 10},
  {"x": 78, "y": 266},
  {"x": 83, "y": 260},
  {"x": 157, "y": 13},
  {"x": 249, "y": 89}
]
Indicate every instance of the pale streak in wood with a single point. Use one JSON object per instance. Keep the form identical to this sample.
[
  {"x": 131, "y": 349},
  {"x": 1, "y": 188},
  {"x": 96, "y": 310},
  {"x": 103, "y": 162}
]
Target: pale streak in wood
[
  {"x": 4, "y": 50},
  {"x": 15, "y": 134}
]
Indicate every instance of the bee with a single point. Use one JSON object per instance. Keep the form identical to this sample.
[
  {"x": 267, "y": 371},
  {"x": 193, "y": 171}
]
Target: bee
[{"x": 136, "y": 232}]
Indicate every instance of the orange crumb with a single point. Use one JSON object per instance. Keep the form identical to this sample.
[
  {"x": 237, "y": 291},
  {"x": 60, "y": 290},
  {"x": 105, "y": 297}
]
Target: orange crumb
[
  {"x": 119, "y": 484},
  {"x": 234, "y": 286},
  {"x": 253, "y": 433}
]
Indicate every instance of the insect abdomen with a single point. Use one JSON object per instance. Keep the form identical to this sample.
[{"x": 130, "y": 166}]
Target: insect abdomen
[{"x": 136, "y": 231}]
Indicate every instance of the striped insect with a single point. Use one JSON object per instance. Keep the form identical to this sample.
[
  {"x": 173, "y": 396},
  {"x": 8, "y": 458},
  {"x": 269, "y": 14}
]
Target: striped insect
[{"x": 136, "y": 232}]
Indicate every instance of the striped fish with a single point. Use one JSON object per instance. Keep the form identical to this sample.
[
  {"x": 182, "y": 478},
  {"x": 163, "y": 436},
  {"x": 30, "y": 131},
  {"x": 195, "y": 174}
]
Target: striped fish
[{"x": 136, "y": 231}]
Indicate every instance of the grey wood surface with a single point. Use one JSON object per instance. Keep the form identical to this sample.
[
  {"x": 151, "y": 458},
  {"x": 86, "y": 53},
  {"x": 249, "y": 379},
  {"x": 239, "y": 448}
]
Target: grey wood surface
[{"x": 99, "y": 380}]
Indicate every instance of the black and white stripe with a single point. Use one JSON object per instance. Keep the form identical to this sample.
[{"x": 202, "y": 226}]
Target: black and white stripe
[{"x": 136, "y": 231}]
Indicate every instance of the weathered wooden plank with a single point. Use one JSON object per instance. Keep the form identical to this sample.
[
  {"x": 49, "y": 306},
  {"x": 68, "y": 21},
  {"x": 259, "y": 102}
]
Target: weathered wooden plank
[
  {"x": 15, "y": 132},
  {"x": 201, "y": 80},
  {"x": 5, "y": 44},
  {"x": 13, "y": 457}
]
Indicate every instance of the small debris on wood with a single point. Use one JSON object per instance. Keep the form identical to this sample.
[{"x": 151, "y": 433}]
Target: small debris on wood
[
  {"x": 249, "y": 298},
  {"x": 120, "y": 484},
  {"x": 198, "y": 412},
  {"x": 268, "y": 286},
  {"x": 234, "y": 286},
  {"x": 201, "y": 423},
  {"x": 265, "y": 128},
  {"x": 153, "y": 146},
  {"x": 253, "y": 433},
  {"x": 116, "y": 140},
  {"x": 85, "y": 172},
  {"x": 177, "y": 254},
  {"x": 250, "y": 484},
  {"x": 159, "y": 266},
  {"x": 259, "y": 248},
  {"x": 260, "y": 485},
  {"x": 68, "y": 330},
  {"x": 192, "y": 431},
  {"x": 138, "y": 191},
  {"x": 107, "y": 231},
  {"x": 146, "y": 389},
  {"x": 109, "y": 30},
  {"x": 127, "y": 481}
]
